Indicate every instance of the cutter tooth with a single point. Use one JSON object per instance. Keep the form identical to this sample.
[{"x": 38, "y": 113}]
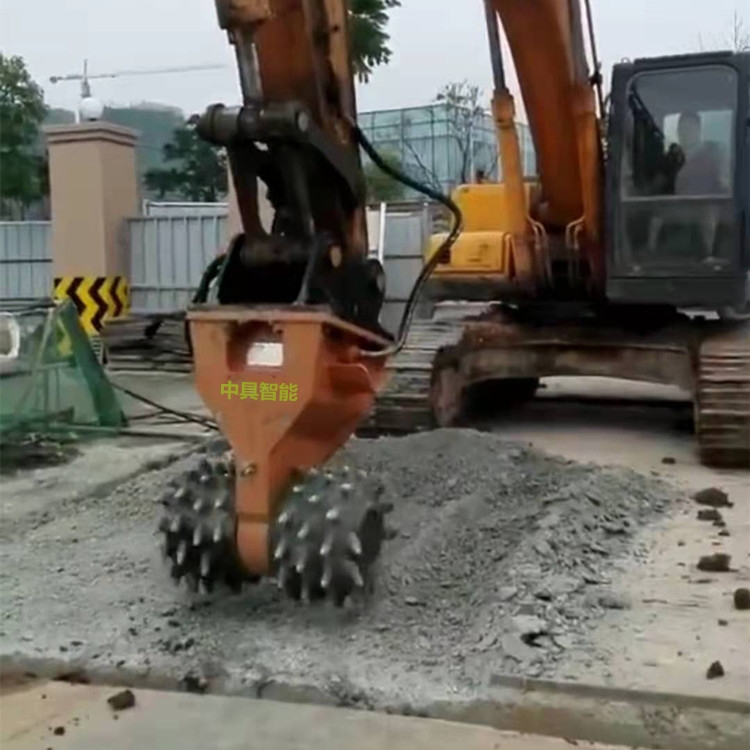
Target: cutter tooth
[
  {"x": 345, "y": 470},
  {"x": 333, "y": 515},
  {"x": 280, "y": 550},
  {"x": 198, "y": 505},
  {"x": 176, "y": 525},
  {"x": 218, "y": 533},
  {"x": 354, "y": 544},
  {"x": 304, "y": 532},
  {"x": 281, "y": 579},
  {"x": 328, "y": 477},
  {"x": 197, "y": 536},
  {"x": 181, "y": 552},
  {"x": 356, "y": 575},
  {"x": 327, "y": 546},
  {"x": 313, "y": 499},
  {"x": 362, "y": 474},
  {"x": 297, "y": 489},
  {"x": 205, "y": 564},
  {"x": 205, "y": 479},
  {"x": 285, "y": 518},
  {"x": 346, "y": 488},
  {"x": 325, "y": 581},
  {"x": 180, "y": 493},
  {"x": 312, "y": 472},
  {"x": 219, "y": 503},
  {"x": 300, "y": 566}
]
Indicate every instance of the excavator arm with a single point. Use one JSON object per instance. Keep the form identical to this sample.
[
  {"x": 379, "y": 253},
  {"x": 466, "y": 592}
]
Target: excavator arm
[
  {"x": 515, "y": 232},
  {"x": 287, "y": 346}
]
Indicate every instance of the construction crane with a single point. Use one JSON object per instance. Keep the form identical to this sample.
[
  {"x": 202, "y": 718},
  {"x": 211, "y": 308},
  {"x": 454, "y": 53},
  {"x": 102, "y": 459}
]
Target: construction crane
[{"x": 84, "y": 77}]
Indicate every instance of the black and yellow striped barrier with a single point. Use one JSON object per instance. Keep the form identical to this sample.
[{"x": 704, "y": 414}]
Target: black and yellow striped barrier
[{"x": 96, "y": 298}]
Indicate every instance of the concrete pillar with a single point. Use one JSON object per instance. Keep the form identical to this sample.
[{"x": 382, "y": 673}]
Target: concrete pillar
[{"x": 94, "y": 189}]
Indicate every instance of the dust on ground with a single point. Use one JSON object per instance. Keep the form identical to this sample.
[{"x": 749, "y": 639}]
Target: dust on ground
[{"x": 505, "y": 561}]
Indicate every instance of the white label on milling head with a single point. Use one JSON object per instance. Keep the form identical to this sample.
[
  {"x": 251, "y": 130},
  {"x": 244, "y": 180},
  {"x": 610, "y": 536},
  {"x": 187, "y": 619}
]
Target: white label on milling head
[{"x": 265, "y": 354}]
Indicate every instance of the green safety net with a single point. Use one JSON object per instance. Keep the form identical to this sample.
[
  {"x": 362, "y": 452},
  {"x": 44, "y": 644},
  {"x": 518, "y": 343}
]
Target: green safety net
[{"x": 53, "y": 389}]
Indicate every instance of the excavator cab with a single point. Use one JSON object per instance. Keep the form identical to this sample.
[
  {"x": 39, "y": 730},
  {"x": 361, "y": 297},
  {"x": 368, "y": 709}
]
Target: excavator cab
[{"x": 678, "y": 190}]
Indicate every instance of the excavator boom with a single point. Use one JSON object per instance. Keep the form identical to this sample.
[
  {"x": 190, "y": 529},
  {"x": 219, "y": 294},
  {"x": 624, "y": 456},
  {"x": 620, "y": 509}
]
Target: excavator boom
[{"x": 288, "y": 349}]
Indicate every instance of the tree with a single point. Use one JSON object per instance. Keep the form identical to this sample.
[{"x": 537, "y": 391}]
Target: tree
[
  {"x": 380, "y": 186},
  {"x": 194, "y": 170},
  {"x": 369, "y": 40},
  {"x": 462, "y": 117},
  {"x": 22, "y": 110},
  {"x": 736, "y": 39}
]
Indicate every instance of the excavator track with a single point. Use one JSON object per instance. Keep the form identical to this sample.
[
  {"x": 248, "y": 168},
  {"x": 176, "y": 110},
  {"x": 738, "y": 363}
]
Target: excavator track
[
  {"x": 403, "y": 406},
  {"x": 722, "y": 404}
]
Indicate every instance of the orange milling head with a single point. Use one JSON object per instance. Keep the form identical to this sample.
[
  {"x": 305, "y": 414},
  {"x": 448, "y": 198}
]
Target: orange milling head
[{"x": 288, "y": 387}]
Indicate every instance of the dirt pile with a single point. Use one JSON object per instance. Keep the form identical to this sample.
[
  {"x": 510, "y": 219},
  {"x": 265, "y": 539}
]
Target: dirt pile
[{"x": 503, "y": 556}]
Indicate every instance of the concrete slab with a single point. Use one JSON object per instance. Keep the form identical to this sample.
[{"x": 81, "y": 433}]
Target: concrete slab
[{"x": 31, "y": 716}]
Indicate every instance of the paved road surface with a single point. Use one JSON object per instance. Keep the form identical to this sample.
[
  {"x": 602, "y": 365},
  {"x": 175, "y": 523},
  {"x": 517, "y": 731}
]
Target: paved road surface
[{"x": 181, "y": 721}]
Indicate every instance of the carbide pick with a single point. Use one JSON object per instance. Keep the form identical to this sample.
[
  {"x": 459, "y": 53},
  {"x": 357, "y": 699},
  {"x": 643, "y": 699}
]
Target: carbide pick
[
  {"x": 219, "y": 503},
  {"x": 327, "y": 546},
  {"x": 205, "y": 564},
  {"x": 205, "y": 479},
  {"x": 300, "y": 566},
  {"x": 181, "y": 552},
  {"x": 280, "y": 550},
  {"x": 313, "y": 499},
  {"x": 333, "y": 515},
  {"x": 304, "y": 532},
  {"x": 180, "y": 493},
  {"x": 346, "y": 488},
  {"x": 325, "y": 581},
  {"x": 354, "y": 544},
  {"x": 281, "y": 578},
  {"x": 285, "y": 518},
  {"x": 313, "y": 472},
  {"x": 198, "y": 505},
  {"x": 176, "y": 524},
  {"x": 197, "y": 536},
  {"x": 356, "y": 576},
  {"x": 218, "y": 533}
]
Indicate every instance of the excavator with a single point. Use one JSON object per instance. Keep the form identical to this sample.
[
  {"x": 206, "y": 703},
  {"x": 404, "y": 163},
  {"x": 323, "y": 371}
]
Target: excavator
[{"x": 638, "y": 221}]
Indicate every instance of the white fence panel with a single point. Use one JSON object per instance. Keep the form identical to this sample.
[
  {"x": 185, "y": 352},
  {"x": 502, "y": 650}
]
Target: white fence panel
[
  {"x": 25, "y": 260},
  {"x": 168, "y": 255}
]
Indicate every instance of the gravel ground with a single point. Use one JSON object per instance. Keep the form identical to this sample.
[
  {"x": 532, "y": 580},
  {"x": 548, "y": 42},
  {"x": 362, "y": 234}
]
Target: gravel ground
[{"x": 502, "y": 564}]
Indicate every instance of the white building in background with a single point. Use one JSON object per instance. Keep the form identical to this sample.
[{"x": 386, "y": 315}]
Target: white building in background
[{"x": 430, "y": 149}]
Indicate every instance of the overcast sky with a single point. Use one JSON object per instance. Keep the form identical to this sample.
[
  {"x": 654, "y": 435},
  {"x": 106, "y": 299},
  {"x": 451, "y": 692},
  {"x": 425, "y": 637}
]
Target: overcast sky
[{"x": 434, "y": 42}]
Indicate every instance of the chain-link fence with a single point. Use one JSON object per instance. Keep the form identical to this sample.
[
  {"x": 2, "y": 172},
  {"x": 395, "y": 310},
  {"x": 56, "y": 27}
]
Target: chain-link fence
[{"x": 53, "y": 389}]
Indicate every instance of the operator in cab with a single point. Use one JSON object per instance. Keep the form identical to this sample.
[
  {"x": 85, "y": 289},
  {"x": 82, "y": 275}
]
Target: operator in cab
[{"x": 700, "y": 172}]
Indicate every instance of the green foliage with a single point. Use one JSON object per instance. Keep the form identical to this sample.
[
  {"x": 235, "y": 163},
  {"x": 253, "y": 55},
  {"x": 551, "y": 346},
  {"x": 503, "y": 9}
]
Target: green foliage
[
  {"x": 381, "y": 187},
  {"x": 193, "y": 169},
  {"x": 22, "y": 111},
  {"x": 369, "y": 40},
  {"x": 155, "y": 125}
]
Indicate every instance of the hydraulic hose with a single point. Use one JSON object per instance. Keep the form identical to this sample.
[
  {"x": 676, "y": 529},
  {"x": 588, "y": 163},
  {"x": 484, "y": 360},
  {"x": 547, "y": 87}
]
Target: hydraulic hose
[{"x": 433, "y": 262}]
